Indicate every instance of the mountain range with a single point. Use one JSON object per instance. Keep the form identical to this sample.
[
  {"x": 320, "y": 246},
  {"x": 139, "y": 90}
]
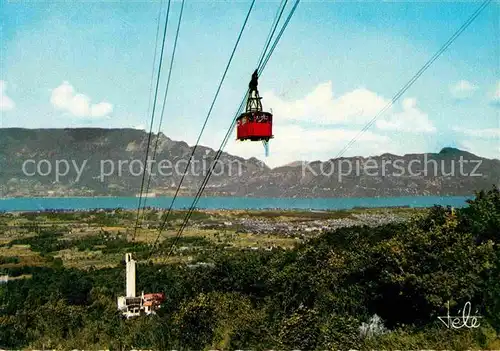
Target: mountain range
[{"x": 107, "y": 162}]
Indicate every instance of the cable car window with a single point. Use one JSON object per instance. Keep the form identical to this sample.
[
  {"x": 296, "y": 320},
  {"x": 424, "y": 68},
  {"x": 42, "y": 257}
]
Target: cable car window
[{"x": 261, "y": 119}]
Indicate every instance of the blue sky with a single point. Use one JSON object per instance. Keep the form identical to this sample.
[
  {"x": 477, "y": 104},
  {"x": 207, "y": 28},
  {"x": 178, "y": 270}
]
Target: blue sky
[{"x": 90, "y": 63}]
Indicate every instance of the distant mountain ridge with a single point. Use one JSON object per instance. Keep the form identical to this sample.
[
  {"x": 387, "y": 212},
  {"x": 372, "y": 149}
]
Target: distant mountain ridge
[{"x": 106, "y": 162}]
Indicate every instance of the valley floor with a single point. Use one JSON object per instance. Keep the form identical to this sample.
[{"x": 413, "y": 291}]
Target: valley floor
[{"x": 99, "y": 239}]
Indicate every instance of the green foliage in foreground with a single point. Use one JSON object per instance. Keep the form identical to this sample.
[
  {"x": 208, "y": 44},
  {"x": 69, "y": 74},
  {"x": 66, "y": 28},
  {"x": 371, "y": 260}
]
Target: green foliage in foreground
[
  {"x": 48, "y": 242},
  {"x": 314, "y": 297}
]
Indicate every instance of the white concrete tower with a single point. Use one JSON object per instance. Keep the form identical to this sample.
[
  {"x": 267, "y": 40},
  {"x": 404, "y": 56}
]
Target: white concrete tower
[{"x": 130, "y": 270}]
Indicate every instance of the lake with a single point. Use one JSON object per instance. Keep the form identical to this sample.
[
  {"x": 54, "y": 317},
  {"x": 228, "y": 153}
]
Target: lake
[{"x": 87, "y": 203}]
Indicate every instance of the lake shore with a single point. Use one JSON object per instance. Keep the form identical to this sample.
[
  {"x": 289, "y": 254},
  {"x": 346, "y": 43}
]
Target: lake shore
[{"x": 226, "y": 203}]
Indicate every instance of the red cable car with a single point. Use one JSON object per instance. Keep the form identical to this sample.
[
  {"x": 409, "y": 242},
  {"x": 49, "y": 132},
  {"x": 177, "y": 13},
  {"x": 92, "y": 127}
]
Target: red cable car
[{"x": 254, "y": 124}]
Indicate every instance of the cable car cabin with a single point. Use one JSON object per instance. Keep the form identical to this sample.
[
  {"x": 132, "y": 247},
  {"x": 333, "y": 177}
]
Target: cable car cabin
[{"x": 254, "y": 126}]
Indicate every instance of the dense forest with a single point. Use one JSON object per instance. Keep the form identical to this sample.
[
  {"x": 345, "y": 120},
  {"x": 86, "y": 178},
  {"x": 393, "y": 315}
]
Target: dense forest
[{"x": 353, "y": 288}]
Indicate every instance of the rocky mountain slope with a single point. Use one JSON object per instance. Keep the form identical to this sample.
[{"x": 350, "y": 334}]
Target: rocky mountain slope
[{"x": 107, "y": 162}]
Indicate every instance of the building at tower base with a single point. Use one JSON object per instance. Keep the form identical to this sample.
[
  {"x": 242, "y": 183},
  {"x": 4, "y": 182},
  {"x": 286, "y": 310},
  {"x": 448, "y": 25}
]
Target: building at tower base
[{"x": 134, "y": 306}]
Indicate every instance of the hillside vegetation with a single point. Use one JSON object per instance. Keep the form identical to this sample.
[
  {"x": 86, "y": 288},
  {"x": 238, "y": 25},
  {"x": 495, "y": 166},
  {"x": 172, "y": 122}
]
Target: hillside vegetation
[{"x": 394, "y": 279}]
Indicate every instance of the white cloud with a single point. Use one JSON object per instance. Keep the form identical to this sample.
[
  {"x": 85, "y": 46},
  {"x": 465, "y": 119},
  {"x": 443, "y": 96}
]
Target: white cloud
[
  {"x": 410, "y": 119},
  {"x": 320, "y": 106},
  {"x": 483, "y": 148},
  {"x": 101, "y": 109},
  {"x": 497, "y": 92},
  {"x": 66, "y": 99},
  {"x": 356, "y": 107},
  {"x": 462, "y": 90},
  {"x": 496, "y": 95},
  {"x": 6, "y": 103},
  {"x": 483, "y": 142},
  {"x": 293, "y": 143},
  {"x": 140, "y": 127},
  {"x": 479, "y": 133},
  {"x": 334, "y": 122}
]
